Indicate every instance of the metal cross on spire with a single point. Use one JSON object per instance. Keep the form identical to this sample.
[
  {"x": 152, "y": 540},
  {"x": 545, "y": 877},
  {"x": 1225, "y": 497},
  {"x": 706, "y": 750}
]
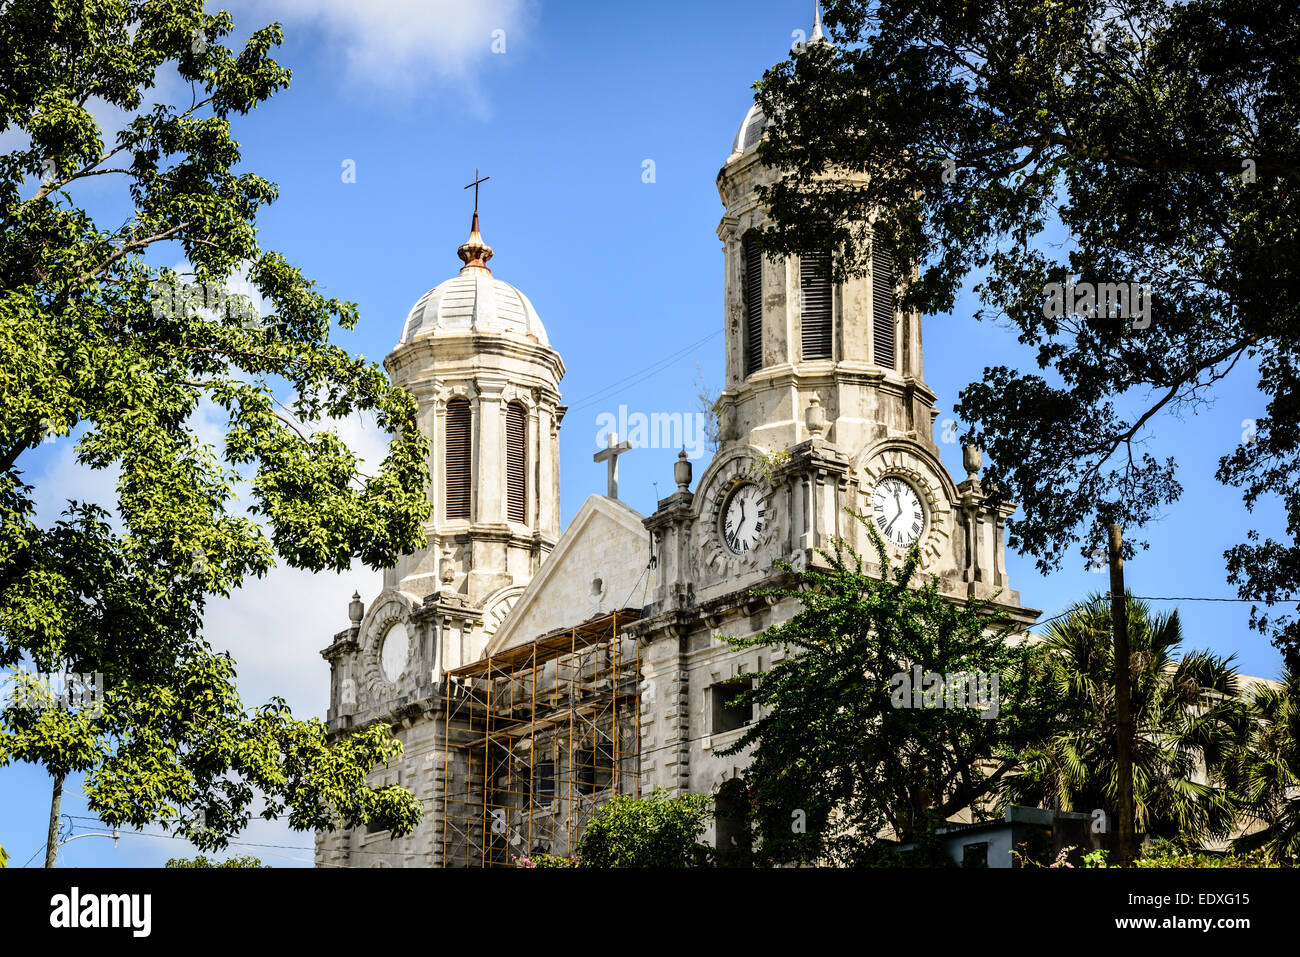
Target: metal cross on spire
[
  {"x": 477, "y": 179},
  {"x": 475, "y": 253}
]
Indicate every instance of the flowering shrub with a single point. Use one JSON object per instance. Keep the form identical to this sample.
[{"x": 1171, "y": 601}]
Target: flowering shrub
[
  {"x": 1165, "y": 854},
  {"x": 1169, "y": 857}
]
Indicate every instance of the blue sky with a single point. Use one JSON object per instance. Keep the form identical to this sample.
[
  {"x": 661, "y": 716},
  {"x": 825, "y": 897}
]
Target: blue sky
[{"x": 623, "y": 273}]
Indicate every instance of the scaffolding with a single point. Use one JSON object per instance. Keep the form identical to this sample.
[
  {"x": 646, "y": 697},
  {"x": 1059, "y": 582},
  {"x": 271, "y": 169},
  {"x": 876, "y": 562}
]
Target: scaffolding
[{"x": 537, "y": 737}]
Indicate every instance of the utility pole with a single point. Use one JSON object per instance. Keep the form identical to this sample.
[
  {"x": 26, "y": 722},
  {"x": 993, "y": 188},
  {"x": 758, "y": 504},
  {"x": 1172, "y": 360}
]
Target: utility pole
[
  {"x": 52, "y": 842},
  {"x": 1123, "y": 709}
]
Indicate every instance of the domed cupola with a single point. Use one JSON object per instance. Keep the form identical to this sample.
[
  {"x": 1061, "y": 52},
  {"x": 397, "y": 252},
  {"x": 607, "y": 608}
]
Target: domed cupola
[
  {"x": 755, "y": 121},
  {"x": 751, "y": 130},
  {"x": 476, "y": 356},
  {"x": 474, "y": 301}
]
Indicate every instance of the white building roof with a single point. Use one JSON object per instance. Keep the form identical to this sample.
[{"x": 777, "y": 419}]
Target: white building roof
[{"x": 473, "y": 301}]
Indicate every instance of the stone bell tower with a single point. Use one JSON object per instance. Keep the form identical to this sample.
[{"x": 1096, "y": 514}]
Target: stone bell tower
[
  {"x": 824, "y": 411},
  {"x": 475, "y": 355},
  {"x": 792, "y": 335}
]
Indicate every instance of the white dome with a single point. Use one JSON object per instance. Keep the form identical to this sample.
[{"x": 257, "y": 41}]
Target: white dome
[
  {"x": 474, "y": 301},
  {"x": 751, "y": 130}
]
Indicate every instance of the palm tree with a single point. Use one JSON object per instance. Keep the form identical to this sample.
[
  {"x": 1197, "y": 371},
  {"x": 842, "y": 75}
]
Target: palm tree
[
  {"x": 1184, "y": 714},
  {"x": 1264, "y": 769}
]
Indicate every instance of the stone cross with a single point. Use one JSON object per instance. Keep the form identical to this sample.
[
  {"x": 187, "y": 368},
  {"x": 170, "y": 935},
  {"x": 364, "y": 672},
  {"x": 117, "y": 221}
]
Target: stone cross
[{"x": 610, "y": 455}]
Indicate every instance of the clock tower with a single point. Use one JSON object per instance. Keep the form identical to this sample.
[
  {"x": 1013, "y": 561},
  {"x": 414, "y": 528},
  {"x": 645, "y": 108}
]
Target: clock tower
[{"x": 824, "y": 411}]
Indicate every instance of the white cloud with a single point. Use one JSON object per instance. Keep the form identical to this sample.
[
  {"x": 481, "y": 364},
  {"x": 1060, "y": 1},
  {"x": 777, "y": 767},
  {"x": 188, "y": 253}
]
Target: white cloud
[
  {"x": 401, "y": 44},
  {"x": 275, "y": 628}
]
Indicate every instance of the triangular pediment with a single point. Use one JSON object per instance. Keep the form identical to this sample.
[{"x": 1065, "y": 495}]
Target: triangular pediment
[{"x": 598, "y": 566}]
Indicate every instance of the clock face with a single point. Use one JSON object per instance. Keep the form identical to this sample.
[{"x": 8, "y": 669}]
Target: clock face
[
  {"x": 743, "y": 519},
  {"x": 897, "y": 510}
]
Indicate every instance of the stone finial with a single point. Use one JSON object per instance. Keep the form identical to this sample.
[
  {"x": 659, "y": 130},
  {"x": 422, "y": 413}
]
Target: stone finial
[
  {"x": 448, "y": 571},
  {"x": 815, "y": 417},
  {"x": 973, "y": 459},
  {"x": 356, "y": 610},
  {"x": 682, "y": 472}
]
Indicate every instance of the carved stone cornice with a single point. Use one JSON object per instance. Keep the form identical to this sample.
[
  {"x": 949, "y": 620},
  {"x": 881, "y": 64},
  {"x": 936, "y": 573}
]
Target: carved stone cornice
[
  {"x": 676, "y": 508},
  {"x": 345, "y": 642}
]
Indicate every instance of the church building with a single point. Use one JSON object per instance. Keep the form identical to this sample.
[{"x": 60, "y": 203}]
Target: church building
[{"x": 533, "y": 672}]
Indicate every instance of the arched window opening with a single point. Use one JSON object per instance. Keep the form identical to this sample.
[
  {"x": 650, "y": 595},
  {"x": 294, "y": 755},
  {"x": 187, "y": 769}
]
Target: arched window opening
[
  {"x": 734, "y": 841},
  {"x": 815, "y": 308},
  {"x": 516, "y": 463},
  {"x": 459, "y": 454},
  {"x": 883, "y": 307},
  {"x": 753, "y": 345}
]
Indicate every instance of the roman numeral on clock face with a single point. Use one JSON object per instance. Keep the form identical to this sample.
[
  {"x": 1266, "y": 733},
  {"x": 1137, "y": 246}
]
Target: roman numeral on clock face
[
  {"x": 742, "y": 519},
  {"x": 897, "y": 510}
]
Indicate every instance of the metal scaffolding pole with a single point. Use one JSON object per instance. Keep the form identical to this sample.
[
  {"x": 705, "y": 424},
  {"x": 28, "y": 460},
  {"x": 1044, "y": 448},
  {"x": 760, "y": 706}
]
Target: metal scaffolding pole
[{"x": 569, "y": 692}]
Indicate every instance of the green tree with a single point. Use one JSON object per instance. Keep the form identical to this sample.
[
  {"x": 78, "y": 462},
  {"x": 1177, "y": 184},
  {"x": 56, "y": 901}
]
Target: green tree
[
  {"x": 1264, "y": 769},
  {"x": 863, "y": 741},
  {"x": 98, "y": 344},
  {"x": 1185, "y": 716},
  {"x": 201, "y": 861},
  {"x": 1019, "y": 144},
  {"x": 656, "y": 831}
]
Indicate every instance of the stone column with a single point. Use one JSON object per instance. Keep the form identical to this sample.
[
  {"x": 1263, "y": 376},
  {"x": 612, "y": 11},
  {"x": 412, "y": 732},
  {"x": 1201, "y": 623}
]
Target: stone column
[
  {"x": 489, "y": 460},
  {"x": 776, "y": 312},
  {"x": 438, "y": 457},
  {"x": 546, "y": 444},
  {"x": 554, "y": 500},
  {"x": 533, "y": 507},
  {"x": 731, "y": 299}
]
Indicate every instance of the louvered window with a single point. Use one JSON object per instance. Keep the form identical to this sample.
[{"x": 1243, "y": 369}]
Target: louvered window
[
  {"x": 516, "y": 463},
  {"x": 882, "y": 300},
  {"x": 458, "y": 451},
  {"x": 753, "y": 309},
  {"x": 815, "y": 285}
]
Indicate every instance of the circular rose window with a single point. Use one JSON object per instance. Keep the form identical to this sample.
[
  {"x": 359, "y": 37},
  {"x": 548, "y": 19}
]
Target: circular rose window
[{"x": 393, "y": 654}]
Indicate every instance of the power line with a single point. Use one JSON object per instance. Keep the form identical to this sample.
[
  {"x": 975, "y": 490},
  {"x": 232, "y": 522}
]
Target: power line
[
  {"x": 1269, "y": 601},
  {"x": 180, "y": 837},
  {"x": 1071, "y": 611},
  {"x": 38, "y": 850},
  {"x": 640, "y": 375},
  {"x": 641, "y": 753},
  {"x": 638, "y": 581}
]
